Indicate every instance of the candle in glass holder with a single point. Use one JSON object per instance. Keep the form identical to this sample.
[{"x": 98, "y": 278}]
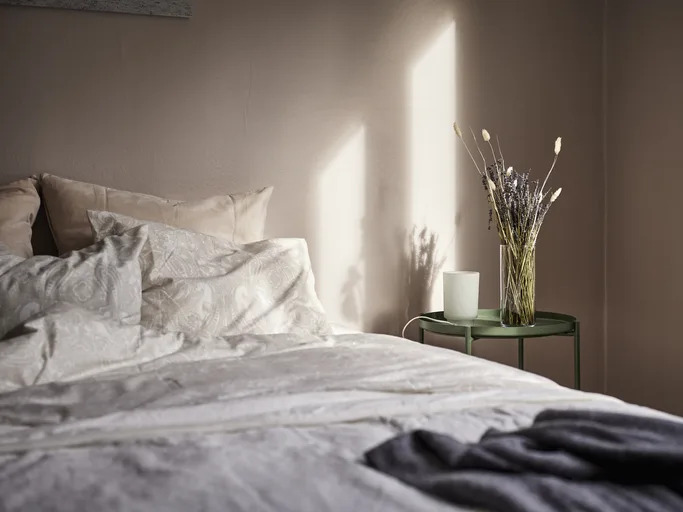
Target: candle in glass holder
[{"x": 460, "y": 295}]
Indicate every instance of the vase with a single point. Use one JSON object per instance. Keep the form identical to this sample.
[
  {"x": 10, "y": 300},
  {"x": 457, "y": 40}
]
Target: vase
[{"x": 517, "y": 285}]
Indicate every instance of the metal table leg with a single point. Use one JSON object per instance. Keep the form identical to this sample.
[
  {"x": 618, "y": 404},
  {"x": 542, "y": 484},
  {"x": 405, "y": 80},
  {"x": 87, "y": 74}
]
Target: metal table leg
[
  {"x": 520, "y": 353},
  {"x": 468, "y": 341},
  {"x": 577, "y": 356}
]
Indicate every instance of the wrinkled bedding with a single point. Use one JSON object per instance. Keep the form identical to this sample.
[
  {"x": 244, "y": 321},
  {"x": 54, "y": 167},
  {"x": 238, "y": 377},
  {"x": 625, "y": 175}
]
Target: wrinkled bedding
[{"x": 95, "y": 415}]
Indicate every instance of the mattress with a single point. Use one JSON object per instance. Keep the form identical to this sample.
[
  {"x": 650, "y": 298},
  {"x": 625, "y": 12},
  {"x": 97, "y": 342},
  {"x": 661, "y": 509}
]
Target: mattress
[{"x": 95, "y": 415}]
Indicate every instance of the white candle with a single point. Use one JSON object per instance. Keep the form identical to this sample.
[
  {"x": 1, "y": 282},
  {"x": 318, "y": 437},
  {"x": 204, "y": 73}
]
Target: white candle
[{"x": 460, "y": 295}]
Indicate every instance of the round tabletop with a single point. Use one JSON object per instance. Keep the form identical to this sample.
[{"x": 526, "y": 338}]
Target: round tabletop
[{"x": 487, "y": 325}]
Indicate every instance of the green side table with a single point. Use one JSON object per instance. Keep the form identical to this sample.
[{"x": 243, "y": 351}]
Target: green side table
[{"x": 487, "y": 325}]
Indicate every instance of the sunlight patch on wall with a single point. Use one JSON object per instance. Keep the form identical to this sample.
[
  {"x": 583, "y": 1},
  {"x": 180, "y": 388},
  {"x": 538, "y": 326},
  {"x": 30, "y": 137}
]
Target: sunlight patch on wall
[
  {"x": 432, "y": 151},
  {"x": 340, "y": 269}
]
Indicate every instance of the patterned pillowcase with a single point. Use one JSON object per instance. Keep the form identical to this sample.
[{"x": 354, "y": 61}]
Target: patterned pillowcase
[
  {"x": 104, "y": 278},
  {"x": 201, "y": 285}
]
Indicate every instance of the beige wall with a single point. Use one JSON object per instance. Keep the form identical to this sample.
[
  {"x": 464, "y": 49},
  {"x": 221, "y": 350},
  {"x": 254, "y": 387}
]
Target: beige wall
[
  {"x": 532, "y": 71},
  {"x": 644, "y": 177},
  {"x": 344, "y": 106}
]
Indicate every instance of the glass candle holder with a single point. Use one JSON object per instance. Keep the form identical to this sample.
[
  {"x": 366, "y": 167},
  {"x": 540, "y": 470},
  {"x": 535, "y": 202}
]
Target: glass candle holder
[{"x": 460, "y": 295}]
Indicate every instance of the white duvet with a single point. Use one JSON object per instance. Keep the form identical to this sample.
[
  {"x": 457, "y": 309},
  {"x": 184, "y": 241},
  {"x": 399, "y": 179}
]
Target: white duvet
[{"x": 100, "y": 416}]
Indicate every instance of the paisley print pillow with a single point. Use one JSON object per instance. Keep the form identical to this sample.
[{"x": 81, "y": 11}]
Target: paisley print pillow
[
  {"x": 202, "y": 285},
  {"x": 104, "y": 278}
]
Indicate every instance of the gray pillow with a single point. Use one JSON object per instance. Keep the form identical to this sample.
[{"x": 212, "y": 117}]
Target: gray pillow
[
  {"x": 104, "y": 278},
  {"x": 202, "y": 285}
]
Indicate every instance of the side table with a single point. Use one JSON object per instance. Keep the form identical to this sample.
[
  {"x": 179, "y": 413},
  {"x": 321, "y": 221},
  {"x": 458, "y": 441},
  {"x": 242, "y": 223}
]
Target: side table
[{"x": 487, "y": 325}]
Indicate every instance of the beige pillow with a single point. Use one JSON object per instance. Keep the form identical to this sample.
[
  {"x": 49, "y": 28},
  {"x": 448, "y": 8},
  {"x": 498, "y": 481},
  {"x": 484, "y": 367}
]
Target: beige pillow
[
  {"x": 239, "y": 218},
  {"x": 19, "y": 204}
]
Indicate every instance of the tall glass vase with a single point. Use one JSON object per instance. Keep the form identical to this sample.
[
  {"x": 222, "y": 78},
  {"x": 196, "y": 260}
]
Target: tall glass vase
[{"x": 517, "y": 285}]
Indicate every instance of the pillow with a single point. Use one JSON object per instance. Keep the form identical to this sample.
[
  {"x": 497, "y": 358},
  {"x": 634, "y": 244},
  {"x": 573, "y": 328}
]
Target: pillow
[
  {"x": 104, "y": 278},
  {"x": 202, "y": 285},
  {"x": 19, "y": 204},
  {"x": 236, "y": 217}
]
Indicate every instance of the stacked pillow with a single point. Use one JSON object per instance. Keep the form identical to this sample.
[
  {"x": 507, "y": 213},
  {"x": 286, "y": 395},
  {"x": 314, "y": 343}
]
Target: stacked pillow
[
  {"x": 239, "y": 218},
  {"x": 199, "y": 267}
]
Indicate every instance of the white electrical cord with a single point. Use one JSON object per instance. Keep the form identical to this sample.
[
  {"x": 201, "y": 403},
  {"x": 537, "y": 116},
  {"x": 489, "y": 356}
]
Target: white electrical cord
[{"x": 438, "y": 321}]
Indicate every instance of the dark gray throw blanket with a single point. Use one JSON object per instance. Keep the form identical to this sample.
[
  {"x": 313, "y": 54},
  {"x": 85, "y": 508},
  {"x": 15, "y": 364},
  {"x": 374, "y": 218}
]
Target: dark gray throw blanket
[{"x": 568, "y": 460}]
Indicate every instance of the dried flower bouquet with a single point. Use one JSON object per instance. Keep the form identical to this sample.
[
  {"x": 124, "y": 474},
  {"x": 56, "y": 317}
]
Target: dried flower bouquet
[{"x": 518, "y": 205}]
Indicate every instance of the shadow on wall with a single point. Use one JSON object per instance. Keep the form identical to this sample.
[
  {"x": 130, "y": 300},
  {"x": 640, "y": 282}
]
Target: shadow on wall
[
  {"x": 396, "y": 169},
  {"x": 352, "y": 294},
  {"x": 340, "y": 226},
  {"x": 422, "y": 270},
  {"x": 419, "y": 273}
]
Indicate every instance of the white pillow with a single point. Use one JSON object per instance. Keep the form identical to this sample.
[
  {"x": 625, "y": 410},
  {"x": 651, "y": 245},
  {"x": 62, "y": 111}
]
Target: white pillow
[
  {"x": 202, "y": 285},
  {"x": 104, "y": 278}
]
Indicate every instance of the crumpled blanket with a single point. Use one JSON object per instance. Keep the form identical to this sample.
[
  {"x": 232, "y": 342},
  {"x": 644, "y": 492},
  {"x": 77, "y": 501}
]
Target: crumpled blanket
[{"x": 569, "y": 460}]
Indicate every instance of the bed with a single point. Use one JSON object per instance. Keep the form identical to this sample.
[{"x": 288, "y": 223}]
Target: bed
[
  {"x": 103, "y": 407},
  {"x": 140, "y": 420}
]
